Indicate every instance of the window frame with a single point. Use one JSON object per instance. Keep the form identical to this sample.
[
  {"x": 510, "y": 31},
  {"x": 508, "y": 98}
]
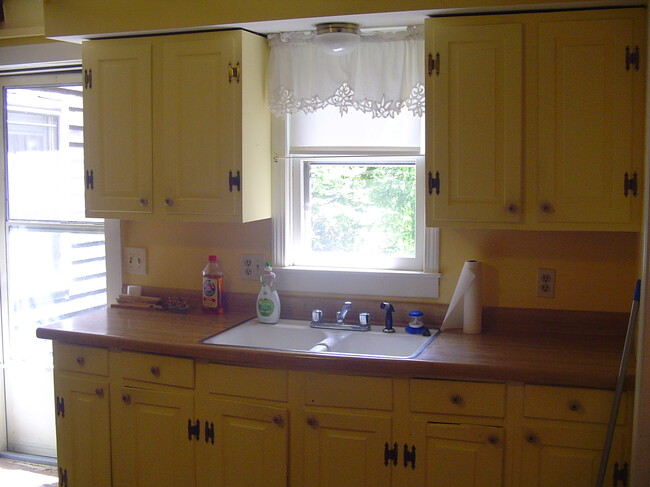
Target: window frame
[{"x": 422, "y": 283}]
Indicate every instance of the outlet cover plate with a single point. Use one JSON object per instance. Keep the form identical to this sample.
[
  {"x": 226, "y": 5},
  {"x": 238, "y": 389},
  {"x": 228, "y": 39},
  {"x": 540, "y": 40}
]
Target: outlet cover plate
[
  {"x": 545, "y": 283},
  {"x": 251, "y": 266}
]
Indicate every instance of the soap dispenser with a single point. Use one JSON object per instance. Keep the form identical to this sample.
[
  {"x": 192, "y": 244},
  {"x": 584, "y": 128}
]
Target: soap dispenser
[{"x": 268, "y": 301}]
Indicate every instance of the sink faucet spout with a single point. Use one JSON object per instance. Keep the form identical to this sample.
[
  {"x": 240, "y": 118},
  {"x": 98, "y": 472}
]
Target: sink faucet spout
[{"x": 340, "y": 315}]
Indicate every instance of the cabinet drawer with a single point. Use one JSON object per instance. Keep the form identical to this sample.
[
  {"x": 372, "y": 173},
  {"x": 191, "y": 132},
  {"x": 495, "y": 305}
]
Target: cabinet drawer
[
  {"x": 250, "y": 382},
  {"x": 159, "y": 369},
  {"x": 456, "y": 397},
  {"x": 76, "y": 358},
  {"x": 349, "y": 391},
  {"x": 571, "y": 404}
]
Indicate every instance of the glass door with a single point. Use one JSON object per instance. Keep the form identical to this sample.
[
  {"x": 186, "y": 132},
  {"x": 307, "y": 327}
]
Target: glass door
[{"x": 54, "y": 264}]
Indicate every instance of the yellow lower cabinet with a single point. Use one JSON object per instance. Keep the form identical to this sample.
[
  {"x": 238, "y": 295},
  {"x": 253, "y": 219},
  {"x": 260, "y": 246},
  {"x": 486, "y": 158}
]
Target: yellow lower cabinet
[
  {"x": 345, "y": 448},
  {"x": 83, "y": 430},
  {"x": 566, "y": 455},
  {"x": 244, "y": 444},
  {"x": 459, "y": 455},
  {"x": 155, "y": 436}
]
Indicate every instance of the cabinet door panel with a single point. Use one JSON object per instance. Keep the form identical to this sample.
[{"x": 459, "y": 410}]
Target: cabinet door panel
[
  {"x": 345, "y": 449},
  {"x": 83, "y": 430},
  {"x": 585, "y": 121},
  {"x": 151, "y": 429},
  {"x": 117, "y": 127},
  {"x": 200, "y": 127},
  {"x": 250, "y": 446},
  {"x": 474, "y": 123},
  {"x": 566, "y": 455}
]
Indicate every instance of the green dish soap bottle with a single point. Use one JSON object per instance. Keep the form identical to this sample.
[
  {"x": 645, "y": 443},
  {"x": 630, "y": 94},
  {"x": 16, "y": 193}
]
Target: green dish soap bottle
[{"x": 268, "y": 301}]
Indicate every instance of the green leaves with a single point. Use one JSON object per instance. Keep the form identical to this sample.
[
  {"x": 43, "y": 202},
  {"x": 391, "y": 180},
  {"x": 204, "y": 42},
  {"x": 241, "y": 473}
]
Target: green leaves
[{"x": 362, "y": 208}]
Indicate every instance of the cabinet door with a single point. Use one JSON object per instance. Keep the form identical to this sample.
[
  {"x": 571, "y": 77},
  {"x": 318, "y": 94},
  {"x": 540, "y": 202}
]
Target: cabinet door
[
  {"x": 345, "y": 449},
  {"x": 557, "y": 456},
  {"x": 200, "y": 124},
  {"x": 474, "y": 122},
  {"x": 245, "y": 445},
  {"x": 117, "y": 127},
  {"x": 585, "y": 121},
  {"x": 154, "y": 447},
  {"x": 460, "y": 455},
  {"x": 83, "y": 430}
]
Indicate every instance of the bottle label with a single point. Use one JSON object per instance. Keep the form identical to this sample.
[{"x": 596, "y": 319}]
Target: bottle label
[
  {"x": 265, "y": 307},
  {"x": 209, "y": 293}
]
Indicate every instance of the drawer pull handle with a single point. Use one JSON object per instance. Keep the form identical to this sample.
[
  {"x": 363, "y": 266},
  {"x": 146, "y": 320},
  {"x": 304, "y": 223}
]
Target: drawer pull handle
[
  {"x": 169, "y": 202},
  {"x": 546, "y": 207},
  {"x": 456, "y": 399},
  {"x": 126, "y": 398},
  {"x": 574, "y": 406},
  {"x": 493, "y": 440},
  {"x": 99, "y": 392},
  {"x": 81, "y": 361},
  {"x": 277, "y": 420},
  {"x": 511, "y": 208},
  {"x": 313, "y": 422},
  {"x": 531, "y": 438},
  {"x": 155, "y": 370},
  {"x": 143, "y": 202}
]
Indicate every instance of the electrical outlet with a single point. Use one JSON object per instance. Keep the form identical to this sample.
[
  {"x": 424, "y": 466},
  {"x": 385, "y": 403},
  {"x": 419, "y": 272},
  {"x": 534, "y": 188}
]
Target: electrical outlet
[
  {"x": 251, "y": 266},
  {"x": 545, "y": 283},
  {"x": 135, "y": 260}
]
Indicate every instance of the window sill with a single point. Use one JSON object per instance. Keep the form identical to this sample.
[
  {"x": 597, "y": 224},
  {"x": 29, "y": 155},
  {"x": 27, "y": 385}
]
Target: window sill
[{"x": 407, "y": 284}]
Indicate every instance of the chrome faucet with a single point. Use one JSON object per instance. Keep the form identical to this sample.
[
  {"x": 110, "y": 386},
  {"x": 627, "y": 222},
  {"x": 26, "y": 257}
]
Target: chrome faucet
[
  {"x": 363, "y": 325},
  {"x": 341, "y": 314}
]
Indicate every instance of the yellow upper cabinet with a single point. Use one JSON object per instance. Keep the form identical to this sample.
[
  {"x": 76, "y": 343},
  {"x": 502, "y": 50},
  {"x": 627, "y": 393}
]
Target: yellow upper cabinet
[
  {"x": 474, "y": 123},
  {"x": 535, "y": 121},
  {"x": 177, "y": 127}
]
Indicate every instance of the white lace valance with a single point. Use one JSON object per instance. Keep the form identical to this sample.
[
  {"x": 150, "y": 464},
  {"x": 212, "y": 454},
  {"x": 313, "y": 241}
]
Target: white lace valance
[{"x": 382, "y": 76}]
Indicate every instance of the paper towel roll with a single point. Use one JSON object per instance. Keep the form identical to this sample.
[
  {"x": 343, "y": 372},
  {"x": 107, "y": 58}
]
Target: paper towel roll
[{"x": 465, "y": 307}]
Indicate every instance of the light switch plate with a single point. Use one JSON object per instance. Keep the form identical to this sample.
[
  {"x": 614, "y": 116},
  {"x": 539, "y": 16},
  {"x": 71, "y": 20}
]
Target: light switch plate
[{"x": 135, "y": 260}]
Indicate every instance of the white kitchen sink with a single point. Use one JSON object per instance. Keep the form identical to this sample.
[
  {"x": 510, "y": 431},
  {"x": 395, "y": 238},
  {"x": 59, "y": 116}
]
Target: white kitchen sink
[{"x": 297, "y": 335}]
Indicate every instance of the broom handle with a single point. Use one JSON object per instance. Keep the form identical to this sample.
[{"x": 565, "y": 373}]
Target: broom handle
[{"x": 627, "y": 349}]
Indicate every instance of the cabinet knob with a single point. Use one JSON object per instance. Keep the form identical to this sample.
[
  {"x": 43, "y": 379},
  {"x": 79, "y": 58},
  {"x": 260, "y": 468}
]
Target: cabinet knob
[
  {"x": 546, "y": 207},
  {"x": 169, "y": 202},
  {"x": 574, "y": 406},
  {"x": 126, "y": 398},
  {"x": 143, "y": 202},
  {"x": 531, "y": 438},
  {"x": 493, "y": 439},
  {"x": 81, "y": 361},
  {"x": 456, "y": 398},
  {"x": 277, "y": 420},
  {"x": 99, "y": 392},
  {"x": 511, "y": 208},
  {"x": 313, "y": 422},
  {"x": 155, "y": 370}
]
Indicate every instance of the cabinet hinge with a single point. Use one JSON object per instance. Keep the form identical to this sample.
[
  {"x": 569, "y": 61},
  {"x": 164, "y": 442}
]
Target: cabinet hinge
[
  {"x": 209, "y": 432},
  {"x": 630, "y": 184},
  {"x": 88, "y": 78},
  {"x": 434, "y": 183},
  {"x": 234, "y": 72},
  {"x": 409, "y": 456},
  {"x": 620, "y": 475},
  {"x": 63, "y": 477},
  {"x": 434, "y": 64},
  {"x": 59, "y": 407},
  {"x": 90, "y": 180},
  {"x": 193, "y": 429},
  {"x": 234, "y": 181},
  {"x": 390, "y": 454},
  {"x": 632, "y": 58}
]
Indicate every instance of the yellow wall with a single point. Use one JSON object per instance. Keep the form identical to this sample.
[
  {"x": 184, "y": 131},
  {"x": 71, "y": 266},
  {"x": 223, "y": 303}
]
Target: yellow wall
[
  {"x": 595, "y": 271},
  {"x": 22, "y": 18}
]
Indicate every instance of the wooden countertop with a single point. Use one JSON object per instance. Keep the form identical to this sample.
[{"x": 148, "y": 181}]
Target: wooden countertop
[{"x": 541, "y": 357}]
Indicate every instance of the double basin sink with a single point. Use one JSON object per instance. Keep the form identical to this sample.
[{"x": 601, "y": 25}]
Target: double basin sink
[{"x": 298, "y": 336}]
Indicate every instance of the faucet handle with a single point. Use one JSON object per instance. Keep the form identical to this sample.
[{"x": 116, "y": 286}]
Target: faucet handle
[
  {"x": 316, "y": 315},
  {"x": 364, "y": 318}
]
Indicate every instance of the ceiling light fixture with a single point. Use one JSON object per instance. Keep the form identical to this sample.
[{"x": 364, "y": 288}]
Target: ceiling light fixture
[{"x": 337, "y": 38}]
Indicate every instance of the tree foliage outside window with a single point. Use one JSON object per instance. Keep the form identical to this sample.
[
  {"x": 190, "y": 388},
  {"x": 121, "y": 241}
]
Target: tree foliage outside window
[{"x": 367, "y": 208}]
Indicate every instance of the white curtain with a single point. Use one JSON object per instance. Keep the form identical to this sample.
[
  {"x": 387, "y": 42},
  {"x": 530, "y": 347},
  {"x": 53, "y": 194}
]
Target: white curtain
[{"x": 384, "y": 75}]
